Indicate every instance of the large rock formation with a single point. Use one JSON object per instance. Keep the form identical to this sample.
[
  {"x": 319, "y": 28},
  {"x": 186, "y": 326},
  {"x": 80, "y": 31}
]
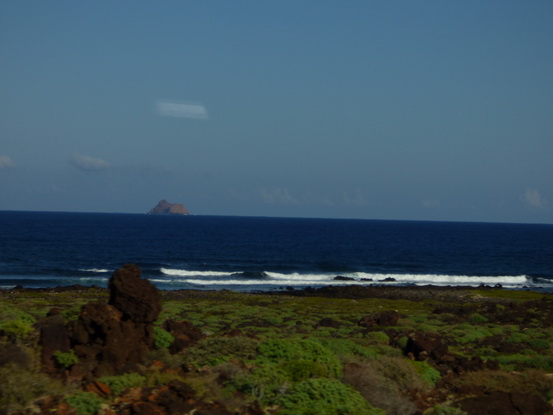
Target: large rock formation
[
  {"x": 166, "y": 208},
  {"x": 113, "y": 338}
]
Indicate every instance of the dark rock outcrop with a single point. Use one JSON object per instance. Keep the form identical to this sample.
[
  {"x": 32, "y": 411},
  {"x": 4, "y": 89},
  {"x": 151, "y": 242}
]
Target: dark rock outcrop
[
  {"x": 53, "y": 337},
  {"x": 505, "y": 404},
  {"x": 384, "y": 318},
  {"x": 166, "y": 208},
  {"x": 184, "y": 333},
  {"x": 423, "y": 346},
  {"x": 113, "y": 338}
]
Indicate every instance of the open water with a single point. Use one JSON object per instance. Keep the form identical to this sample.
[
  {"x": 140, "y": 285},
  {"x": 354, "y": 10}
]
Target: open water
[{"x": 48, "y": 249}]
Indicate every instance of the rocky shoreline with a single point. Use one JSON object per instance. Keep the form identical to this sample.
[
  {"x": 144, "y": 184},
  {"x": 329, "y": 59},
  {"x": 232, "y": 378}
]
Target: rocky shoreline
[{"x": 132, "y": 349}]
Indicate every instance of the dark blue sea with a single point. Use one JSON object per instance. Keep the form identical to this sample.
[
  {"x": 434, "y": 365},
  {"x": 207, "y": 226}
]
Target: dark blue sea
[{"x": 48, "y": 249}]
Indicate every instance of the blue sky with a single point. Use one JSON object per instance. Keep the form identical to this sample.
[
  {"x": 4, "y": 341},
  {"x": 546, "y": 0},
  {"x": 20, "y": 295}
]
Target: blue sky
[{"x": 430, "y": 110}]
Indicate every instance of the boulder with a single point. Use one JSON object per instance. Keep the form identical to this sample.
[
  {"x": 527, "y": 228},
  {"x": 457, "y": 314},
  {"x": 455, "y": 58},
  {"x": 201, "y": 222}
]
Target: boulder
[
  {"x": 505, "y": 403},
  {"x": 421, "y": 346},
  {"x": 113, "y": 338},
  {"x": 137, "y": 298},
  {"x": 53, "y": 337},
  {"x": 184, "y": 333},
  {"x": 383, "y": 318}
]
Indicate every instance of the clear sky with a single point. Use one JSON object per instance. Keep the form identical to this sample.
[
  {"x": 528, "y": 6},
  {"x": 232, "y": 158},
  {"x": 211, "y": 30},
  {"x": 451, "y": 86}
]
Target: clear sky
[{"x": 433, "y": 110}]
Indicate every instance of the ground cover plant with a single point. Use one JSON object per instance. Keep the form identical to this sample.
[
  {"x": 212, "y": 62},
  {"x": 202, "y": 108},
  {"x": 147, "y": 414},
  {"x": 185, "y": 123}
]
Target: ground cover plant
[{"x": 309, "y": 352}]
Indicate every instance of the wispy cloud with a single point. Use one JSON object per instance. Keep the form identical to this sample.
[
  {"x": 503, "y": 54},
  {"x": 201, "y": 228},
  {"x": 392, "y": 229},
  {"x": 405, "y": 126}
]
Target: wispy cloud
[
  {"x": 6, "y": 162},
  {"x": 88, "y": 163},
  {"x": 178, "y": 109},
  {"x": 431, "y": 203},
  {"x": 278, "y": 195},
  {"x": 356, "y": 198},
  {"x": 533, "y": 198}
]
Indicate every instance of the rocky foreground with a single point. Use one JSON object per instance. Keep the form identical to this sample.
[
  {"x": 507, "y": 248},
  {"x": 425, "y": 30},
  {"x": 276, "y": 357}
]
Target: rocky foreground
[{"x": 132, "y": 349}]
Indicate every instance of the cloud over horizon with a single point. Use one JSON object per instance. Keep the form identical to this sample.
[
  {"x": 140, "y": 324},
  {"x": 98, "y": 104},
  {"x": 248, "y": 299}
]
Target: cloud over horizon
[
  {"x": 533, "y": 198},
  {"x": 88, "y": 163},
  {"x": 6, "y": 162}
]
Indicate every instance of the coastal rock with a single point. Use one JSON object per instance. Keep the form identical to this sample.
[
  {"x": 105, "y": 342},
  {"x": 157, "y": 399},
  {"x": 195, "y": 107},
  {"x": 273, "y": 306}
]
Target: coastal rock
[
  {"x": 113, "y": 338},
  {"x": 421, "y": 346},
  {"x": 342, "y": 278},
  {"x": 384, "y": 318},
  {"x": 184, "y": 333},
  {"x": 166, "y": 208},
  {"x": 53, "y": 337},
  {"x": 137, "y": 298},
  {"x": 505, "y": 404}
]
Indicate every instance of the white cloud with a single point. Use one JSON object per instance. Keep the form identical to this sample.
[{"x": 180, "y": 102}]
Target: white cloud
[
  {"x": 280, "y": 196},
  {"x": 357, "y": 198},
  {"x": 534, "y": 198},
  {"x": 181, "y": 109},
  {"x": 88, "y": 163},
  {"x": 6, "y": 162},
  {"x": 431, "y": 203}
]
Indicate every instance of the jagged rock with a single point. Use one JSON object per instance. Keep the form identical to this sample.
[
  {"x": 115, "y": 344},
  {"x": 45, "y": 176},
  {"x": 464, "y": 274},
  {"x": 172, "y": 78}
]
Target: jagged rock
[
  {"x": 166, "y": 208},
  {"x": 113, "y": 338},
  {"x": 342, "y": 278},
  {"x": 184, "y": 333},
  {"x": 53, "y": 337},
  {"x": 505, "y": 404},
  {"x": 422, "y": 346},
  {"x": 137, "y": 298},
  {"x": 384, "y": 318}
]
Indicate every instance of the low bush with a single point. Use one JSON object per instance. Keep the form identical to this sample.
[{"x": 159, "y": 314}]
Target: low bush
[
  {"x": 216, "y": 350},
  {"x": 325, "y": 396},
  {"x": 162, "y": 338},
  {"x": 66, "y": 359},
  {"x": 289, "y": 350},
  {"x": 20, "y": 387},
  {"x": 85, "y": 403},
  {"x": 118, "y": 384}
]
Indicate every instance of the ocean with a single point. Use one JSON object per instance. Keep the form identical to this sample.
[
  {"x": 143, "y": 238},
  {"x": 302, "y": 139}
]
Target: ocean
[{"x": 49, "y": 249}]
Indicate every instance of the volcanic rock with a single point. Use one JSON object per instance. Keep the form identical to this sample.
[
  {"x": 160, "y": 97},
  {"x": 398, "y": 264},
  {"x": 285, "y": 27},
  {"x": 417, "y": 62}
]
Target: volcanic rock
[
  {"x": 384, "y": 318},
  {"x": 505, "y": 404},
  {"x": 113, "y": 338},
  {"x": 53, "y": 337},
  {"x": 166, "y": 208},
  {"x": 422, "y": 346}
]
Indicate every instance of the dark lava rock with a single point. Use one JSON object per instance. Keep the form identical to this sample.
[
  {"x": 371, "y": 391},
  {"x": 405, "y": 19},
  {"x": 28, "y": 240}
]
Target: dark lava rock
[
  {"x": 505, "y": 404},
  {"x": 329, "y": 322},
  {"x": 384, "y": 318},
  {"x": 422, "y": 346},
  {"x": 53, "y": 337},
  {"x": 184, "y": 333},
  {"x": 113, "y": 338},
  {"x": 137, "y": 298},
  {"x": 342, "y": 278}
]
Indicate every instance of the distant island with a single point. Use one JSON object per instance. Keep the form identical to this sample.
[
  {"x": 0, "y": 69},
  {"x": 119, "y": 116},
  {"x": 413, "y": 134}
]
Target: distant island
[{"x": 166, "y": 208}]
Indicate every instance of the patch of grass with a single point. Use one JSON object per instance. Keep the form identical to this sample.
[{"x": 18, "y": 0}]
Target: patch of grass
[
  {"x": 216, "y": 350},
  {"x": 325, "y": 396},
  {"x": 85, "y": 403},
  {"x": 118, "y": 384}
]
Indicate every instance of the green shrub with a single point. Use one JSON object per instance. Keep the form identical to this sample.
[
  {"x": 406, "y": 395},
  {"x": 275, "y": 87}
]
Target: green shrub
[
  {"x": 286, "y": 350},
  {"x": 66, "y": 359},
  {"x": 20, "y": 387},
  {"x": 428, "y": 373},
  {"x": 476, "y": 318},
  {"x": 265, "y": 383},
  {"x": 446, "y": 410},
  {"x": 216, "y": 350},
  {"x": 162, "y": 338},
  {"x": 325, "y": 396},
  {"x": 118, "y": 384},
  {"x": 298, "y": 370},
  {"x": 17, "y": 329},
  {"x": 85, "y": 403}
]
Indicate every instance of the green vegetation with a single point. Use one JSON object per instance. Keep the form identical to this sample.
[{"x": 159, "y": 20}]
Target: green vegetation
[
  {"x": 66, "y": 359},
  {"x": 85, "y": 403},
  {"x": 301, "y": 355}
]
